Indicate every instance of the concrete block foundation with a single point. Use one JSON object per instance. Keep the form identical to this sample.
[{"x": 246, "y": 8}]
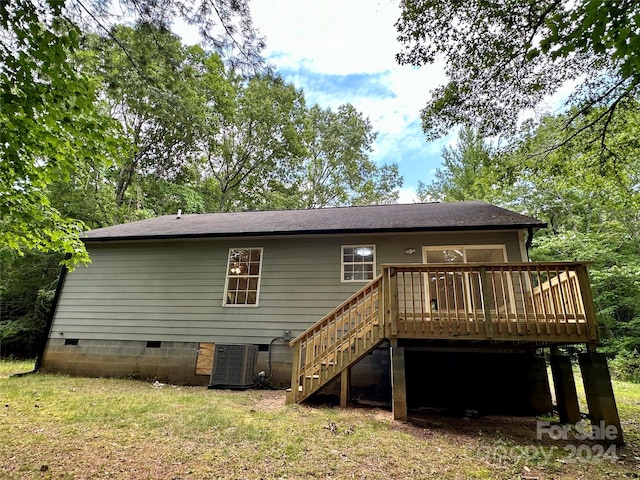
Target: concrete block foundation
[{"x": 171, "y": 362}]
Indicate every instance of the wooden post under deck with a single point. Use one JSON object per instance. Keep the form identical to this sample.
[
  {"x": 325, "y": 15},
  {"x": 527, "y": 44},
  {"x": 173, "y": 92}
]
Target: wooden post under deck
[
  {"x": 345, "y": 387},
  {"x": 565, "y": 387},
  {"x": 398, "y": 383},
  {"x": 600, "y": 399}
]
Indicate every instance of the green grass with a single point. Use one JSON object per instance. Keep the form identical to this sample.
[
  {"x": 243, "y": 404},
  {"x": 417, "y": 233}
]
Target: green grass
[
  {"x": 75, "y": 428},
  {"x": 11, "y": 367}
]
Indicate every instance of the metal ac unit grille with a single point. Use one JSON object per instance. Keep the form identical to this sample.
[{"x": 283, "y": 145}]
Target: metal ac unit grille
[{"x": 233, "y": 365}]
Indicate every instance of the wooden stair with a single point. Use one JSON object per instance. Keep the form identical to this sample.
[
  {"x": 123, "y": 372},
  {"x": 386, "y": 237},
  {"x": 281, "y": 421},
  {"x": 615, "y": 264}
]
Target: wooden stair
[{"x": 337, "y": 341}]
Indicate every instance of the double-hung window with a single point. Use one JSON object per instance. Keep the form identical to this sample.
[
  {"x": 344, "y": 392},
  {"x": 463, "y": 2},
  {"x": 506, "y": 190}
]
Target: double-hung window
[
  {"x": 358, "y": 263},
  {"x": 242, "y": 285}
]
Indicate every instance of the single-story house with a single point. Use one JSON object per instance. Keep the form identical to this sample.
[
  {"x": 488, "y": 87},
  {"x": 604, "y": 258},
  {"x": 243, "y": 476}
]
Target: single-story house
[{"x": 445, "y": 290}]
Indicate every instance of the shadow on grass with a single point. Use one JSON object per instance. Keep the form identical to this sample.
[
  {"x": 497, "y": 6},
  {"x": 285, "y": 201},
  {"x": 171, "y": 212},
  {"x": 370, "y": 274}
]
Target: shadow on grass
[
  {"x": 465, "y": 427},
  {"x": 517, "y": 429}
]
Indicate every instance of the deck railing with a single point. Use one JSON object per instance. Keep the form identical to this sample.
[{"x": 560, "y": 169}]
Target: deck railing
[
  {"x": 539, "y": 303},
  {"x": 502, "y": 301},
  {"x": 340, "y": 338}
]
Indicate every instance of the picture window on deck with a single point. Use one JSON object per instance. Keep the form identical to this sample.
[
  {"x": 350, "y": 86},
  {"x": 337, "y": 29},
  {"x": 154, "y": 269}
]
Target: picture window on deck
[
  {"x": 465, "y": 254},
  {"x": 451, "y": 290},
  {"x": 358, "y": 263},
  {"x": 242, "y": 285}
]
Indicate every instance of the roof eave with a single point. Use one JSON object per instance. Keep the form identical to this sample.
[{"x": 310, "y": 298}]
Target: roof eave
[{"x": 458, "y": 228}]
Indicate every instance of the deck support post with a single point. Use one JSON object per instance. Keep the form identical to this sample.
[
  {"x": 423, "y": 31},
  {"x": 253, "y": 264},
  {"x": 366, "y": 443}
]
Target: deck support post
[
  {"x": 295, "y": 375},
  {"x": 398, "y": 383},
  {"x": 600, "y": 399},
  {"x": 564, "y": 385},
  {"x": 538, "y": 380},
  {"x": 345, "y": 387}
]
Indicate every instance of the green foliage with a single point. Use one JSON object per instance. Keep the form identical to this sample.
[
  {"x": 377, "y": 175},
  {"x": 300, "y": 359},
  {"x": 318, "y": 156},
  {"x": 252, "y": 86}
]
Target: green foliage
[
  {"x": 204, "y": 139},
  {"x": 168, "y": 197},
  {"x": 336, "y": 169},
  {"x": 200, "y": 138},
  {"x": 590, "y": 200},
  {"x": 87, "y": 196},
  {"x": 66, "y": 98},
  {"x": 97, "y": 129},
  {"x": 504, "y": 57},
  {"x": 591, "y": 203},
  {"x": 159, "y": 90},
  {"x": 22, "y": 337},
  {"x": 381, "y": 186},
  {"x": 626, "y": 366},
  {"x": 27, "y": 286},
  {"x": 49, "y": 124},
  {"x": 617, "y": 296},
  {"x": 462, "y": 176},
  {"x": 595, "y": 26},
  {"x": 224, "y": 26},
  {"x": 254, "y": 143}
]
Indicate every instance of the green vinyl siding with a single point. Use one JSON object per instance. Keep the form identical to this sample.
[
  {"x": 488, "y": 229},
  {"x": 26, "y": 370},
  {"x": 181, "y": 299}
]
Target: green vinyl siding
[{"x": 173, "y": 290}]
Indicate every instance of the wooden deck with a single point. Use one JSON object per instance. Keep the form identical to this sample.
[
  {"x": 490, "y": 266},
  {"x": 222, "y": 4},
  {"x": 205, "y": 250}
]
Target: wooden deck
[{"x": 531, "y": 303}]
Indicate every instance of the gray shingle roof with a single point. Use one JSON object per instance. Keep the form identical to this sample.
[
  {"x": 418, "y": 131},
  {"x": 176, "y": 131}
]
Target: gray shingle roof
[{"x": 380, "y": 218}]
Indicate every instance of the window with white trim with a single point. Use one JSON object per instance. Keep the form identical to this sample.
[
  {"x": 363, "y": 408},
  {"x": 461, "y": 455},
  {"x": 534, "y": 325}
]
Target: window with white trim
[
  {"x": 242, "y": 285},
  {"x": 358, "y": 263}
]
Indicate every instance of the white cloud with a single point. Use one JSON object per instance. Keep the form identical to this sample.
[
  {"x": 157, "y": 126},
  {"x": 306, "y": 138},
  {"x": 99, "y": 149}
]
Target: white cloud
[
  {"x": 408, "y": 195},
  {"x": 340, "y": 38},
  {"x": 333, "y": 36},
  {"x": 391, "y": 99}
]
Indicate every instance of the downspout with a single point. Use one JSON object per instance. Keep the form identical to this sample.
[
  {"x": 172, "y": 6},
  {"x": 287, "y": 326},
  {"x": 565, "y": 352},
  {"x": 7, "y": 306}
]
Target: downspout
[
  {"x": 52, "y": 311},
  {"x": 529, "y": 241}
]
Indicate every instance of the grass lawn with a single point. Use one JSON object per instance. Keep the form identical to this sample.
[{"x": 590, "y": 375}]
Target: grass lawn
[{"x": 61, "y": 427}]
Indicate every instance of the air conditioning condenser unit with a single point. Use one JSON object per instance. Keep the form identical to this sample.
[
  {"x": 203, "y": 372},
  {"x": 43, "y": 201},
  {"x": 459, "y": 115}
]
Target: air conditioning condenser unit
[{"x": 233, "y": 365}]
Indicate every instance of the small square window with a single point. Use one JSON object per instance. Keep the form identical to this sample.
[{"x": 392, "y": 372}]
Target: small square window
[
  {"x": 358, "y": 263},
  {"x": 71, "y": 341}
]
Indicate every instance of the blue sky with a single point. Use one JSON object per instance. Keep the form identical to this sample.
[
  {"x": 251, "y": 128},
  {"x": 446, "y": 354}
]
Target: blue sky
[{"x": 344, "y": 52}]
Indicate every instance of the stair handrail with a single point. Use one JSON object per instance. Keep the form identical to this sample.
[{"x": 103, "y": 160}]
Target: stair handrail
[
  {"x": 299, "y": 365},
  {"x": 335, "y": 310}
]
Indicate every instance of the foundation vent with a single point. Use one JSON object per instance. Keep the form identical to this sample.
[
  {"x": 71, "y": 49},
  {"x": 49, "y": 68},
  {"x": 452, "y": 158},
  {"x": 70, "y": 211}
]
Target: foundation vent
[{"x": 233, "y": 365}]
